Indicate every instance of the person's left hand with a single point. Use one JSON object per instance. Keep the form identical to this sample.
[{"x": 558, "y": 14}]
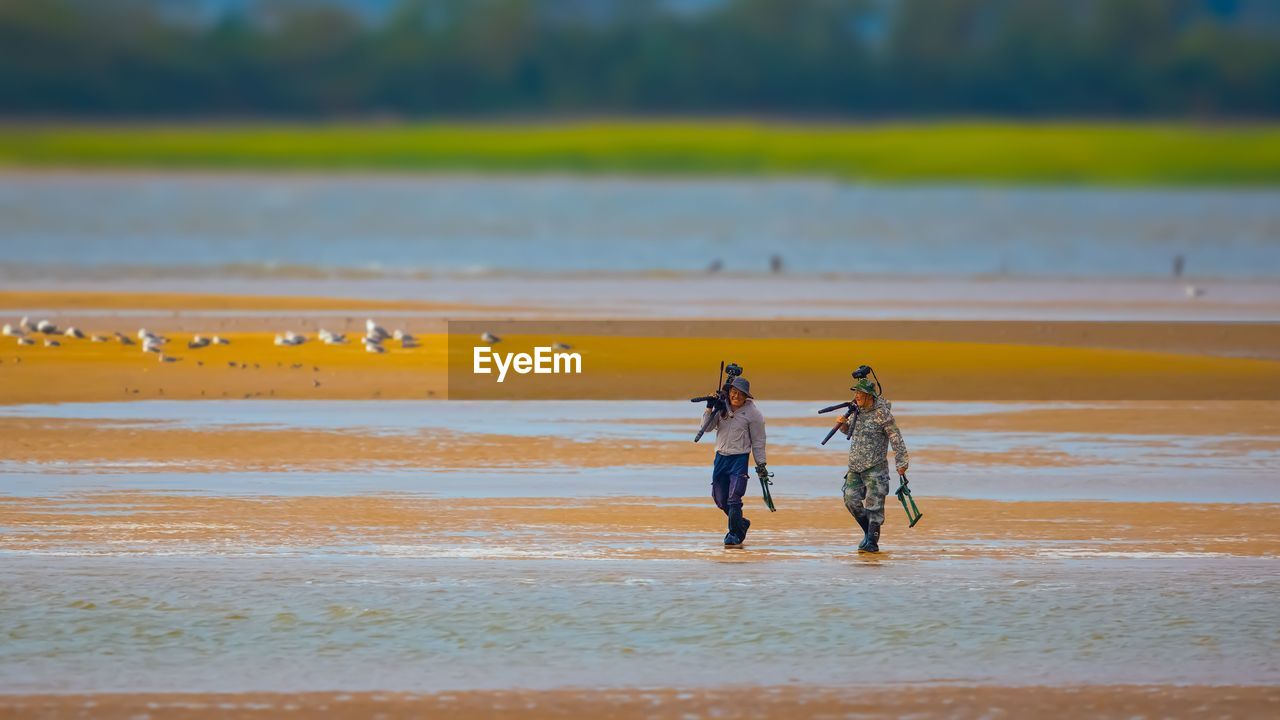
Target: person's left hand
[{"x": 902, "y": 469}]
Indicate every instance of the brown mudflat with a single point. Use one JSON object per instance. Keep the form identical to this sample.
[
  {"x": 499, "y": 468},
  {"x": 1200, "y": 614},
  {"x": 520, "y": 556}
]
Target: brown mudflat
[{"x": 857, "y": 700}]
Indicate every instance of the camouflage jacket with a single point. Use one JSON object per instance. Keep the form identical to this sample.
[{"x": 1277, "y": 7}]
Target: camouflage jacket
[{"x": 873, "y": 432}]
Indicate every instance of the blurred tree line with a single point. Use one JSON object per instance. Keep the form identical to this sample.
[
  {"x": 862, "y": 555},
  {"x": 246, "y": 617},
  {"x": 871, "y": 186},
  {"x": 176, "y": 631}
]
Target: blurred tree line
[{"x": 789, "y": 57}]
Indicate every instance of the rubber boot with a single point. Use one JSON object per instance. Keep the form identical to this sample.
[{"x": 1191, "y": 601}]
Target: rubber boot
[
  {"x": 873, "y": 539},
  {"x": 862, "y": 523},
  {"x": 735, "y": 526},
  {"x": 746, "y": 525}
]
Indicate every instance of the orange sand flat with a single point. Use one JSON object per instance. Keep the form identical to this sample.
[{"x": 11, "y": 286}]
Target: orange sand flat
[
  {"x": 81, "y": 370},
  {"x": 143, "y": 522},
  {"x": 625, "y": 368},
  {"x": 920, "y": 369},
  {"x": 662, "y": 359},
  {"x": 789, "y": 701}
]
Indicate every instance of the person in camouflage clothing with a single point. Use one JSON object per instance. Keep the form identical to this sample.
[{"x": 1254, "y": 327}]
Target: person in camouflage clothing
[{"x": 867, "y": 482}]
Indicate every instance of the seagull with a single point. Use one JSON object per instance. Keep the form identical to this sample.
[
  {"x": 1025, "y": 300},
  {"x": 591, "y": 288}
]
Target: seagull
[
  {"x": 330, "y": 338},
  {"x": 407, "y": 340},
  {"x": 11, "y": 331},
  {"x": 372, "y": 329},
  {"x": 561, "y": 346},
  {"x": 148, "y": 337},
  {"x": 1193, "y": 291},
  {"x": 47, "y": 327},
  {"x": 198, "y": 341},
  {"x": 26, "y": 341},
  {"x": 99, "y": 338},
  {"x": 219, "y": 340},
  {"x": 74, "y": 332},
  {"x": 490, "y": 338},
  {"x": 150, "y": 345},
  {"x": 50, "y": 342},
  {"x": 166, "y": 359},
  {"x": 124, "y": 339},
  {"x": 374, "y": 348},
  {"x": 290, "y": 338},
  {"x": 26, "y": 324}
]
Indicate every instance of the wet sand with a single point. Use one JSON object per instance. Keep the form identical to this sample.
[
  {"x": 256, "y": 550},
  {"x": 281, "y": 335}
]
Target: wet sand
[
  {"x": 857, "y": 700},
  {"x": 146, "y": 523}
]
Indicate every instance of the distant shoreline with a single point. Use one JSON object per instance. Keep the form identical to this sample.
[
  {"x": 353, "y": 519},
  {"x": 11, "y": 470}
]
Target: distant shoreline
[{"x": 1124, "y": 154}]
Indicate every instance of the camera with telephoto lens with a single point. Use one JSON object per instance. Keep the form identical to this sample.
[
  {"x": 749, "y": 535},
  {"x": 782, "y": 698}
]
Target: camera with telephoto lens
[{"x": 717, "y": 402}]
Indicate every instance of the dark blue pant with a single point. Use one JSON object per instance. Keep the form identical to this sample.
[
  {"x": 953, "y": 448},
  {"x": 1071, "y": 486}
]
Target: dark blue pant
[{"x": 728, "y": 485}]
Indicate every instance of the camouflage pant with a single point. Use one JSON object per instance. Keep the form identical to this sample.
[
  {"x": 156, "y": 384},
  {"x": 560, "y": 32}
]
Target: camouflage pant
[{"x": 864, "y": 492}]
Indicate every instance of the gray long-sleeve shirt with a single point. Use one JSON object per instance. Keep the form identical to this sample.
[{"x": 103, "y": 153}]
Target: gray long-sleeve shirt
[{"x": 740, "y": 431}]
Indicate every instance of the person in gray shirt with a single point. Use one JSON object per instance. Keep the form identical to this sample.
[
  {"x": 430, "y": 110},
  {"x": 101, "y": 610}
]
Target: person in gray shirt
[{"x": 739, "y": 427}]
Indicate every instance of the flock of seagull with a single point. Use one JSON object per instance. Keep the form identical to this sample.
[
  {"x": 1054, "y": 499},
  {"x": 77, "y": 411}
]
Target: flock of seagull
[{"x": 373, "y": 340}]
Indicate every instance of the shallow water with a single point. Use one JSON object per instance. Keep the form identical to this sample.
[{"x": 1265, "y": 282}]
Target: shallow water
[
  {"x": 1106, "y": 466},
  {"x": 421, "y": 579},
  {"x": 614, "y": 224},
  {"x": 218, "y": 624}
]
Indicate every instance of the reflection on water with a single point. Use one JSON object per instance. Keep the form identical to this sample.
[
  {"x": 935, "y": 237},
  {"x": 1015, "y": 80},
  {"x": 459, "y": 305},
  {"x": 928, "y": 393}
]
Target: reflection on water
[
  {"x": 565, "y": 223},
  {"x": 172, "y": 624},
  {"x": 953, "y": 462}
]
